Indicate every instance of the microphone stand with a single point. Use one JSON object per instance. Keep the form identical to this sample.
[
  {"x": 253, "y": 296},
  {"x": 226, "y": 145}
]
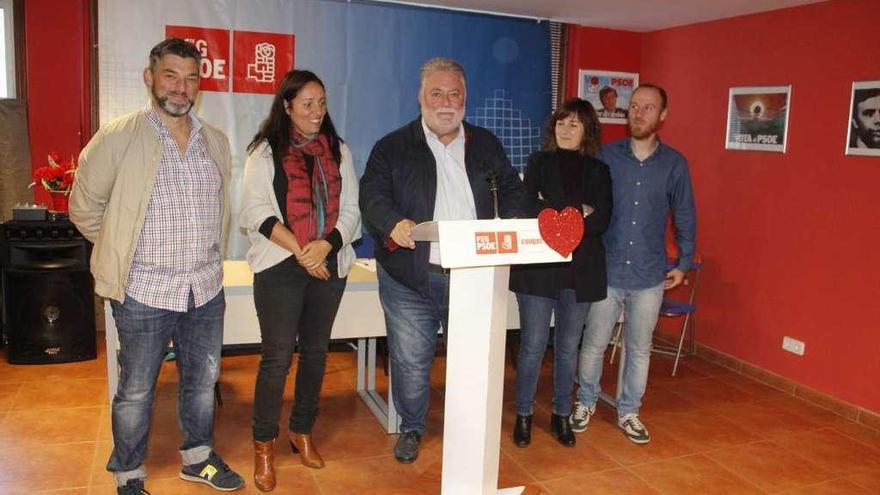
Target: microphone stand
[{"x": 492, "y": 179}]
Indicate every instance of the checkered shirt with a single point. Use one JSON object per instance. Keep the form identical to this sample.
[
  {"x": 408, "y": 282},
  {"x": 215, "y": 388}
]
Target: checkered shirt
[{"x": 179, "y": 247}]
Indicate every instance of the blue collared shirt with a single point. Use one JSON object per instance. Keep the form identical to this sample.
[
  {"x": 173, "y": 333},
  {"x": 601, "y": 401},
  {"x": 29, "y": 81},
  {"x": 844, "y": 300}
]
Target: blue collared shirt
[{"x": 644, "y": 195}]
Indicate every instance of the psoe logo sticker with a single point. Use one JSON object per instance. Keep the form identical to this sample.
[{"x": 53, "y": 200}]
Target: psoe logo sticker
[
  {"x": 486, "y": 242},
  {"x": 507, "y": 243}
]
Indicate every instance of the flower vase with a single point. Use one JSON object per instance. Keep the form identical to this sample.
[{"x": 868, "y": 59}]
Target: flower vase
[{"x": 59, "y": 201}]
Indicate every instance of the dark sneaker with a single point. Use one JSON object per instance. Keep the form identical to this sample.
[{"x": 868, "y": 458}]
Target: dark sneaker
[
  {"x": 633, "y": 428},
  {"x": 213, "y": 472},
  {"x": 580, "y": 417},
  {"x": 132, "y": 487},
  {"x": 406, "y": 450}
]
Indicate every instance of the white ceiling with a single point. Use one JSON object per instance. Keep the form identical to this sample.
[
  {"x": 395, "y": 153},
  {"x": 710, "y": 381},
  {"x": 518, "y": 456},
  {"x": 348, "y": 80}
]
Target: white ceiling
[{"x": 628, "y": 15}]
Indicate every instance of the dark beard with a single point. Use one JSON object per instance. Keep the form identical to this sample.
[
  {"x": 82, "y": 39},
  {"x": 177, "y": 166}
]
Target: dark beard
[{"x": 172, "y": 109}]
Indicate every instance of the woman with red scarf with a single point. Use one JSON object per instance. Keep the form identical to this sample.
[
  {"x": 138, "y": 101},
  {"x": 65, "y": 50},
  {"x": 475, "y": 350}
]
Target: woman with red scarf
[{"x": 300, "y": 211}]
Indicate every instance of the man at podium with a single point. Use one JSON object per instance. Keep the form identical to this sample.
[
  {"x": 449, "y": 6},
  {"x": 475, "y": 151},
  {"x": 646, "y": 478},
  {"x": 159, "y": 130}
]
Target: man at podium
[{"x": 437, "y": 167}]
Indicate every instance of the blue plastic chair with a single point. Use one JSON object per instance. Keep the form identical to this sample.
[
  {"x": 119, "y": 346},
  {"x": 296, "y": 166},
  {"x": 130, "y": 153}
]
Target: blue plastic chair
[{"x": 671, "y": 308}]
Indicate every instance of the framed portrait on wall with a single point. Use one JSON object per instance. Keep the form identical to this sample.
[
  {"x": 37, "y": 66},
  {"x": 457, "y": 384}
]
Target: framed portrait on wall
[
  {"x": 757, "y": 118},
  {"x": 609, "y": 92},
  {"x": 863, "y": 137}
]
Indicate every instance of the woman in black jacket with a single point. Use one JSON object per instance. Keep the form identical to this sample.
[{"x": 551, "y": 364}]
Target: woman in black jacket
[{"x": 564, "y": 173}]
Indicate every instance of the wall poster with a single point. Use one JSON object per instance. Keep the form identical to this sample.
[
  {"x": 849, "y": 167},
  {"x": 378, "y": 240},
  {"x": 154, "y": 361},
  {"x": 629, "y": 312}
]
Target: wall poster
[{"x": 757, "y": 118}]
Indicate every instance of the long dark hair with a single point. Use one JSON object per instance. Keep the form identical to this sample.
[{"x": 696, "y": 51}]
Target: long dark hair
[
  {"x": 276, "y": 128},
  {"x": 586, "y": 114}
]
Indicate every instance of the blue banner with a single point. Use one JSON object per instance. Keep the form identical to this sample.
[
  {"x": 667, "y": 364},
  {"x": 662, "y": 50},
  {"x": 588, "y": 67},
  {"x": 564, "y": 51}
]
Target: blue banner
[{"x": 368, "y": 55}]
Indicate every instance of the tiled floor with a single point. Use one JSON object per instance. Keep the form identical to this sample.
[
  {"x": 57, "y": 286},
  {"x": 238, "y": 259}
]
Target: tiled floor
[{"x": 713, "y": 431}]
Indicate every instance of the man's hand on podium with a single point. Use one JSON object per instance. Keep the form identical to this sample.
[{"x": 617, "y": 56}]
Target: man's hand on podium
[{"x": 402, "y": 234}]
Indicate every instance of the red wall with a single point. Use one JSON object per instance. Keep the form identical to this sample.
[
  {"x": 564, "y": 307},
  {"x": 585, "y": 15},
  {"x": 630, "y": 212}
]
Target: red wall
[
  {"x": 602, "y": 49},
  {"x": 59, "y": 100},
  {"x": 789, "y": 241}
]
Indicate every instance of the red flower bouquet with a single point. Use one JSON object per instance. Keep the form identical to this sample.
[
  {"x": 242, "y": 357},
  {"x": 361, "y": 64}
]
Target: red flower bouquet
[{"x": 56, "y": 178}]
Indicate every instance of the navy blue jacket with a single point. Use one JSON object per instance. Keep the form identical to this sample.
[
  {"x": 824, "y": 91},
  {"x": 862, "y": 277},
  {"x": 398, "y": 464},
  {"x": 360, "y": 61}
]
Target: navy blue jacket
[{"x": 400, "y": 181}]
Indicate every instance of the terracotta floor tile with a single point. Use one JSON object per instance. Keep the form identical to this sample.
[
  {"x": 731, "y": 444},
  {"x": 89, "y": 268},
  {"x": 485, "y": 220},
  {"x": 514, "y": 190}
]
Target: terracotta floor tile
[
  {"x": 105, "y": 428},
  {"x": 342, "y": 405},
  {"x": 372, "y": 476},
  {"x": 32, "y": 427},
  {"x": 833, "y": 487},
  {"x": 712, "y": 392},
  {"x": 98, "y": 475},
  {"x": 831, "y": 450},
  {"x": 604, "y": 434},
  {"x": 750, "y": 386},
  {"x": 769, "y": 466},
  {"x": 545, "y": 458},
  {"x": 703, "y": 430},
  {"x": 45, "y": 467},
  {"x": 861, "y": 433},
  {"x": 665, "y": 399},
  {"x": 699, "y": 364},
  {"x": 510, "y": 473},
  {"x": 68, "y": 491},
  {"x": 734, "y": 413},
  {"x": 866, "y": 478},
  {"x": 612, "y": 482},
  {"x": 56, "y": 394},
  {"x": 8, "y": 393},
  {"x": 692, "y": 474},
  {"x": 660, "y": 372},
  {"x": 805, "y": 410},
  {"x": 94, "y": 368},
  {"x": 105, "y": 488},
  {"x": 765, "y": 419},
  {"x": 361, "y": 437}
]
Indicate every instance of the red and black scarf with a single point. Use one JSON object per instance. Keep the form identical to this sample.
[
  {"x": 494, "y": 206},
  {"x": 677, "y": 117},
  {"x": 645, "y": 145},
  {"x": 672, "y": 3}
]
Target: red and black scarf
[{"x": 313, "y": 187}]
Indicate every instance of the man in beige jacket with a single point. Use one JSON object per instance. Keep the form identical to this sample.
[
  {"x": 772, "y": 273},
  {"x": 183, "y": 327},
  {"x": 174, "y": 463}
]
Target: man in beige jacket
[{"x": 150, "y": 193}]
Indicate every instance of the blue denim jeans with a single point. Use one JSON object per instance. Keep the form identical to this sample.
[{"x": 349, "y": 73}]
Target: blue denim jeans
[
  {"x": 412, "y": 321},
  {"x": 640, "y": 311},
  {"x": 534, "y": 328},
  {"x": 144, "y": 334}
]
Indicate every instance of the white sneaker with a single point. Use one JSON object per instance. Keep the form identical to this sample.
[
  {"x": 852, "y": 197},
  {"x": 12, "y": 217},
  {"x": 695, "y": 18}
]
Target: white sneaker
[
  {"x": 580, "y": 417},
  {"x": 633, "y": 428}
]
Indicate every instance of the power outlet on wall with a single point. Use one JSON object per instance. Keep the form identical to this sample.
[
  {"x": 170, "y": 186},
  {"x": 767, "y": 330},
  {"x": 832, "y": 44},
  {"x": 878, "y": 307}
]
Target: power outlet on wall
[{"x": 794, "y": 346}]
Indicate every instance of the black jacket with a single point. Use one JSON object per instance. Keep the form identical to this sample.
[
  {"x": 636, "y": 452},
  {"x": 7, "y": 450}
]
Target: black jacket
[
  {"x": 400, "y": 181},
  {"x": 543, "y": 176}
]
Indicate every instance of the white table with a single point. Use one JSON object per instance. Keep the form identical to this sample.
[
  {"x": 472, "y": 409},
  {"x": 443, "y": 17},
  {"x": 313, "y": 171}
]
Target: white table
[{"x": 360, "y": 317}]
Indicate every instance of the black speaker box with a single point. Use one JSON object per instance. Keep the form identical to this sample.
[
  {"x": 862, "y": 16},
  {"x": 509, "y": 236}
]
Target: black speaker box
[
  {"x": 48, "y": 302},
  {"x": 50, "y": 316}
]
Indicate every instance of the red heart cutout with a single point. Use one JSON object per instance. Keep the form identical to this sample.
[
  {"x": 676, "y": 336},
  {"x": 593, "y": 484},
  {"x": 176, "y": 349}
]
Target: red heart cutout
[{"x": 561, "y": 231}]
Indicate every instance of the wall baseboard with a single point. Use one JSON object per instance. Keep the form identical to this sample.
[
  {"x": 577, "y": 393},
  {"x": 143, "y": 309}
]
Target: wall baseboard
[{"x": 860, "y": 415}]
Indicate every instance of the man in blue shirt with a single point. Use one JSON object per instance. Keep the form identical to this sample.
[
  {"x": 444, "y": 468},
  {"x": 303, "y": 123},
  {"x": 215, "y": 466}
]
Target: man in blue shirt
[{"x": 650, "y": 180}]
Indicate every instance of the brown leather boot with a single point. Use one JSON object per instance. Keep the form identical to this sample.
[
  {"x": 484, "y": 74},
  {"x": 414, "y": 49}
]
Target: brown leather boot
[
  {"x": 301, "y": 443},
  {"x": 264, "y": 465}
]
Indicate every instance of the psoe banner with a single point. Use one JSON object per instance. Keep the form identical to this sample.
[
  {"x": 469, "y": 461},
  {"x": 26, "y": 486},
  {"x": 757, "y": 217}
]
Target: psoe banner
[{"x": 259, "y": 60}]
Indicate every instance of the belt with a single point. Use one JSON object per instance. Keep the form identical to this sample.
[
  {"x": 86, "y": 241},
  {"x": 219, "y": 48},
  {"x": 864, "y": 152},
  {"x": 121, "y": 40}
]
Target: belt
[{"x": 437, "y": 269}]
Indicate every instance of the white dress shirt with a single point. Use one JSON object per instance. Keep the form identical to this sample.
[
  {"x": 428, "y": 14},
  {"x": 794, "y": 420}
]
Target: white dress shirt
[{"x": 455, "y": 200}]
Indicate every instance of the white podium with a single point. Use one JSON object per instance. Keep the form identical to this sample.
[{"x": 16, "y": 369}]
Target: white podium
[{"x": 479, "y": 254}]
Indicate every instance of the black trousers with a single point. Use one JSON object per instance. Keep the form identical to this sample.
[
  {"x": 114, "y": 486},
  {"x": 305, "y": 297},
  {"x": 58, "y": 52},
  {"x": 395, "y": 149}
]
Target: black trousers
[{"x": 292, "y": 307}]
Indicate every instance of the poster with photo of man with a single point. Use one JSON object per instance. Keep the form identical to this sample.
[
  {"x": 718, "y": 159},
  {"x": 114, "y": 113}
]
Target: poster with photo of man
[
  {"x": 863, "y": 137},
  {"x": 609, "y": 92},
  {"x": 757, "y": 118}
]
